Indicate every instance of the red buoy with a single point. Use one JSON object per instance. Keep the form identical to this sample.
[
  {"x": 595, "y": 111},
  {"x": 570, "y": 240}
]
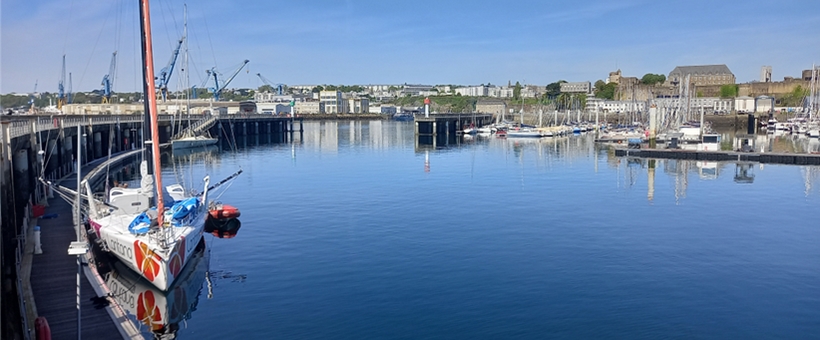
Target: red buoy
[{"x": 222, "y": 211}]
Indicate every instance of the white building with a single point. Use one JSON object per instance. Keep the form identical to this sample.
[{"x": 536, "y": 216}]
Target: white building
[
  {"x": 358, "y": 105},
  {"x": 383, "y": 109},
  {"x": 527, "y": 92},
  {"x": 270, "y": 97},
  {"x": 273, "y": 108},
  {"x": 309, "y": 107},
  {"x": 707, "y": 104},
  {"x": 444, "y": 89},
  {"x": 576, "y": 87},
  {"x": 414, "y": 90},
  {"x": 500, "y": 92},
  {"x": 302, "y": 88},
  {"x": 473, "y": 91},
  {"x": 764, "y": 104},
  {"x": 745, "y": 104},
  {"x": 613, "y": 106},
  {"x": 333, "y": 102}
]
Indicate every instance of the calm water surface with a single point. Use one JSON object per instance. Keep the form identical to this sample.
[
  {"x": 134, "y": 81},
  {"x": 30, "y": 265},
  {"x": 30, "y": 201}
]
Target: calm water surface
[{"x": 355, "y": 232}]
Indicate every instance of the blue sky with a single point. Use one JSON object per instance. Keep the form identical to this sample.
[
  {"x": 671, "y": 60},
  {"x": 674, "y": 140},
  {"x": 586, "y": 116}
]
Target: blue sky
[{"x": 389, "y": 42}]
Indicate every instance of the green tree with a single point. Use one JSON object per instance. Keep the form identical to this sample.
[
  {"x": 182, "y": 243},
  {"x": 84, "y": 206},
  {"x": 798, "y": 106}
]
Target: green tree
[
  {"x": 794, "y": 98},
  {"x": 607, "y": 91},
  {"x": 517, "y": 91},
  {"x": 728, "y": 91},
  {"x": 317, "y": 89},
  {"x": 265, "y": 88},
  {"x": 554, "y": 89},
  {"x": 652, "y": 79},
  {"x": 599, "y": 85}
]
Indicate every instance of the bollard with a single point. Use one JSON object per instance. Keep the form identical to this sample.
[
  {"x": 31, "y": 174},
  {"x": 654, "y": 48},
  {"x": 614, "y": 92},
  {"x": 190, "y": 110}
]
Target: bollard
[{"x": 38, "y": 248}]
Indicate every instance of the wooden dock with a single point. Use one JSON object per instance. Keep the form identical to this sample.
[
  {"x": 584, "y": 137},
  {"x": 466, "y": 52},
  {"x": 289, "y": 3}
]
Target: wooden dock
[
  {"x": 54, "y": 280},
  {"x": 730, "y": 156}
]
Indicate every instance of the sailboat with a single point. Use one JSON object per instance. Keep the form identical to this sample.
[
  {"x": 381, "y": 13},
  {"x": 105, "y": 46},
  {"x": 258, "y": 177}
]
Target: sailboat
[
  {"x": 154, "y": 242},
  {"x": 189, "y": 138}
]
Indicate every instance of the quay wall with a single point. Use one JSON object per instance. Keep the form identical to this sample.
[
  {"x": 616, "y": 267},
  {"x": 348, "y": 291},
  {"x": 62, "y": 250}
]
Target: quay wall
[{"x": 41, "y": 146}]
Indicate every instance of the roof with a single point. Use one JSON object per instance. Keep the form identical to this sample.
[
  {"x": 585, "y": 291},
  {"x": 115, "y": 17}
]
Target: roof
[{"x": 702, "y": 69}]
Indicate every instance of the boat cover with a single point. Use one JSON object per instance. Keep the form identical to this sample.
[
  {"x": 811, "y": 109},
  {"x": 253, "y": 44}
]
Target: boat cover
[
  {"x": 142, "y": 223},
  {"x": 181, "y": 209}
]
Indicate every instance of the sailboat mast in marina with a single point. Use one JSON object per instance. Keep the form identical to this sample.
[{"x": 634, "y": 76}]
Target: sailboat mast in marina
[{"x": 153, "y": 241}]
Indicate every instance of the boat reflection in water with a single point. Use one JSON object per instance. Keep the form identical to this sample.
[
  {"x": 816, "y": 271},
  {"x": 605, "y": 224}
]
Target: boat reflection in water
[
  {"x": 161, "y": 312},
  {"x": 222, "y": 228}
]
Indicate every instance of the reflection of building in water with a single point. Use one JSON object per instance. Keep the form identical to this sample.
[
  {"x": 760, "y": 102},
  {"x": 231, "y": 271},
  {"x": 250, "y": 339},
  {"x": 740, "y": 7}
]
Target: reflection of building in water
[
  {"x": 810, "y": 173},
  {"x": 322, "y": 136},
  {"x": 743, "y": 173},
  {"x": 679, "y": 169},
  {"x": 650, "y": 179},
  {"x": 707, "y": 170},
  {"x": 377, "y": 134}
]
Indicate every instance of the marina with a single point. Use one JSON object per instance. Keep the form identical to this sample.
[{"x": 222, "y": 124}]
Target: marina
[
  {"x": 397, "y": 180},
  {"x": 407, "y": 231}
]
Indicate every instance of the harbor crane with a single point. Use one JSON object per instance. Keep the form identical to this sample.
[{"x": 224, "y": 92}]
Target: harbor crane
[
  {"x": 108, "y": 80},
  {"x": 217, "y": 90},
  {"x": 61, "y": 96},
  {"x": 278, "y": 88},
  {"x": 165, "y": 73}
]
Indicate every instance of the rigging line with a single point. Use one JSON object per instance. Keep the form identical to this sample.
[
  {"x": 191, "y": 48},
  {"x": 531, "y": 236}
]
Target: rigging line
[
  {"x": 70, "y": 14},
  {"x": 102, "y": 29},
  {"x": 165, "y": 23},
  {"x": 213, "y": 52}
]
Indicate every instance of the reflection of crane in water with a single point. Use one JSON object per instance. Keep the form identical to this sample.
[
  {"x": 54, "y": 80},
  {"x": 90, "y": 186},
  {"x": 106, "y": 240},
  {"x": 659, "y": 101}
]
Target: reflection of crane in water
[{"x": 810, "y": 173}]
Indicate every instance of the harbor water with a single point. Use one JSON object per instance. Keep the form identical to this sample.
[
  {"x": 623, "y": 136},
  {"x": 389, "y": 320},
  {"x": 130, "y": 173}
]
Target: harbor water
[{"x": 356, "y": 231}]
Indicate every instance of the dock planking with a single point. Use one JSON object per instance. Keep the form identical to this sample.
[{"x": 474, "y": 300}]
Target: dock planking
[{"x": 54, "y": 280}]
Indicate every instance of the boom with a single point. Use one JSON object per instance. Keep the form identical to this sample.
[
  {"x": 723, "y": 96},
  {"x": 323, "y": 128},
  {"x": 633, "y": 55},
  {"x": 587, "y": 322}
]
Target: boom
[
  {"x": 165, "y": 73},
  {"x": 279, "y": 88},
  {"x": 217, "y": 90}
]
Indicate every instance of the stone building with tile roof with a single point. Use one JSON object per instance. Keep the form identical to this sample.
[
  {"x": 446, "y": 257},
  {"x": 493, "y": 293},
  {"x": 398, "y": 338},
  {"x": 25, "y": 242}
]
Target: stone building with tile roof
[{"x": 703, "y": 75}]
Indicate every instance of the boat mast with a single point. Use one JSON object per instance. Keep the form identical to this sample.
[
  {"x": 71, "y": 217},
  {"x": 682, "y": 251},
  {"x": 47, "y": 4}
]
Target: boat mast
[
  {"x": 185, "y": 67},
  {"x": 151, "y": 100}
]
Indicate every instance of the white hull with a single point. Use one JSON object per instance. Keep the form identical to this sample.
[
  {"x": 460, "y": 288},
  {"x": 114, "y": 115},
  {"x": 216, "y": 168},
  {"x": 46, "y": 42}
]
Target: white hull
[
  {"x": 155, "y": 308},
  {"x": 157, "y": 253},
  {"x": 144, "y": 254},
  {"x": 192, "y": 142},
  {"x": 523, "y": 134}
]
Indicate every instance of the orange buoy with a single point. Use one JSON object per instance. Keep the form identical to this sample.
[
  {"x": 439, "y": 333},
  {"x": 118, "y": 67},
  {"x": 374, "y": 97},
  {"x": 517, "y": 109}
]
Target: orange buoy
[{"x": 222, "y": 211}]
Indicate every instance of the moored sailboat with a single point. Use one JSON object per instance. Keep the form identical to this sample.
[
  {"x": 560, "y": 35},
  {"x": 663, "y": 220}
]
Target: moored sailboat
[{"x": 156, "y": 243}]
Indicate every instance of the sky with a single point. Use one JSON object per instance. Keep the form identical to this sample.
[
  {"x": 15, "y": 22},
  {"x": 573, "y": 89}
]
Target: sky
[{"x": 395, "y": 42}]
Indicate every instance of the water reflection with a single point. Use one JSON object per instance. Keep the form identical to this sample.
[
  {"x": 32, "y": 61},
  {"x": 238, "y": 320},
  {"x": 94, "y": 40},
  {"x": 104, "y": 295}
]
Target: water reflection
[{"x": 159, "y": 314}]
